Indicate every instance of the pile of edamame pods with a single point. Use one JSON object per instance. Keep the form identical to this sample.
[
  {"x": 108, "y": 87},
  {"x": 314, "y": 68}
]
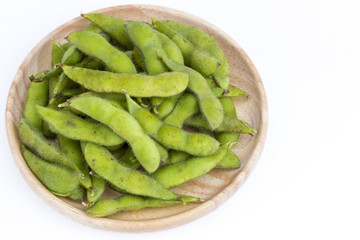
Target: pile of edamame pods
[{"x": 120, "y": 100}]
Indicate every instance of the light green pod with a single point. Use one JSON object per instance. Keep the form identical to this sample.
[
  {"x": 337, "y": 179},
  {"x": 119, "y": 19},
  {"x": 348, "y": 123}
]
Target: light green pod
[
  {"x": 155, "y": 102},
  {"x": 33, "y": 139},
  {"x": 114, "y": 59},
  {"x": 56, "y": 54},
  {"x": 194, "y": 57},
  {"x": 209, "y": 104},
  {"x": 106, "y": 207},
  {"x": 58, "y": 180},
  {"x": 170, "y": 136},
  {"x": 124, "y": 125},
  {"x": 167, "y": 106},
  {"x": 76, "y": 128},
  {"x": 230, "y": 124},
  {"x": 176, "y": 156},
  {"x": 230, "y": 110},
  {"x": 207, "y": 42},
  {"x": 230, "y": 92},
  {"x": 230, "y": 160},
  {"x": 77, "y": 194},
  {"x": 73, "y": 92},
  {"x": 128, "y": 159},
  {"x": 72, "y": 56},
  {"x": 185, "y": 107},
  {"x": 137, "y": 85},
  {"x": 66, "y": 46},
  {"x": 37, "y": 95},
  {"x": 170, "y": 48},
  {"x": 138, "y": 58},
  {"x": 63, "y": 83},
  {"x": 181, "y": 172},
  {"x": 112, "y": 25},
  {"x": 98, "y": 188},
  {"x": 147, "y": 41},
  {"x": 72, "y": 150},
  {"x": 105, "y": 165}
]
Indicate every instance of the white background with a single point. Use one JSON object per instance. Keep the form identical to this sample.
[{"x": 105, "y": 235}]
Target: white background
[{"x": 306, "y": 183}]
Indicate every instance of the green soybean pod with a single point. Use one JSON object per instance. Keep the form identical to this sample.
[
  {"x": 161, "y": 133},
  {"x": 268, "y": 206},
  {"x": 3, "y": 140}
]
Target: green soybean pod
[
  {"x": 230, "y": 160},
  {"x": 147, "y": 41},
  {"x": 128, "y": 159},
  {"x": 56, "y": 54},
  {"x": 207, "y": 42},
  {"x": 195, "y": 57},
  {"x": 105, "y": 165},
  {"x": 138, "y": 58},
  {"x": 114, "y": 59},
  {"x": 229, "y": 110},
  {"x": 37, "y": 95},
  {"x": 33, "y": 139},
  {"x": 72, "y": 150},
  {"x": 185, "y": 107},
  {"x": 106, "y": 207},
  {"x": 97, "y": 189},
  {"x": 124, "y": 125},
  {"x": 137, "y": 85},
  {"x": 170, "y": 48},
  {"x": 58, "y": 180},
  {"x": 63, "y": 83},
  {"x": 181, "y": 172},
  {"x": 170, "y": 136},
  {"x": 167, "y": 106},
  {"x": 209, "y": 104},
  {"x": 77, "y": 194},
  {"x": 74, "y": 127},
  {"x": 112, "y": 25},
  {"x": 66, "y": 46},
  {"x": 176, "y": 156},
  {"x": 72, "y": 56},
  {"x": 230, "y": 124},
  {"x": 230, "y": 92}
]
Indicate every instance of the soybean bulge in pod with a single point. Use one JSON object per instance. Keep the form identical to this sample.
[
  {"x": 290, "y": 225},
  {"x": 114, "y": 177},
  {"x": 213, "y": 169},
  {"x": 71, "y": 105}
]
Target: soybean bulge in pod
[
  {"x": 123, "y": 124},
  {"x": 89, "y": 42},
  {"x": 206, "y": 42},
  {"x": 170, "y": 136},
  {"x": 106, "y": 166},
  {"x": 136, "y": 85}
]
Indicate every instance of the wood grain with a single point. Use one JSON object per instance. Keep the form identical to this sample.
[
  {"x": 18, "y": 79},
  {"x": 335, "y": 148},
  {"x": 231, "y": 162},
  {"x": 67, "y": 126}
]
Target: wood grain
[{"x": 216, "y": 186}]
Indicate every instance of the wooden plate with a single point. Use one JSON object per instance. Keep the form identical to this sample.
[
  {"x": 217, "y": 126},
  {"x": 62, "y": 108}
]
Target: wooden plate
[{"x": 216, "y": 186}]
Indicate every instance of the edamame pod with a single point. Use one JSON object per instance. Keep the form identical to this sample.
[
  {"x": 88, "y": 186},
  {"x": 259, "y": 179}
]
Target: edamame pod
[
  {"x": 77, "y": 194},
  {"x": 147, "y": 41},
  {"x": 37, "y": 95},
  {"x": 209, "y": 105},
  {"x": 138, "y": 58},
  {"x": 230, "y": 92},
  {"x": 207, "y": 42},
  {"x": 72, "y": 56},
  {"x": 33, "y": 139},
  {"x": 56, "y": 54},
  {"x": 112, "y": 25},
  {"x": 176, "y": 156},
  {"x": 167, "y": 105},
  {"x": 129, "y": 160},
  {"x": 170, "y": 136},
  {"x": 105, "y": 165},
  {"x": 229, "y": 109},
  {"x": 170, "y": 48},
  {"x": 181, "y": 172},
  {"x": 137, "y": 85},
  {"x": 194, "y": 57},
  {"x": 72, "y": 150},
  {"x": 123, "y": 124},
  {"x": 58, "y": 180},
  {"x": 106, "y": 207},
  {"x": 230, "y": 160},
  {"x": 98, "y": 188},
  {"x": 114, "y": 59},
  {"x": 77, "y": 128},
  {"x": 185, "y": 107}
]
